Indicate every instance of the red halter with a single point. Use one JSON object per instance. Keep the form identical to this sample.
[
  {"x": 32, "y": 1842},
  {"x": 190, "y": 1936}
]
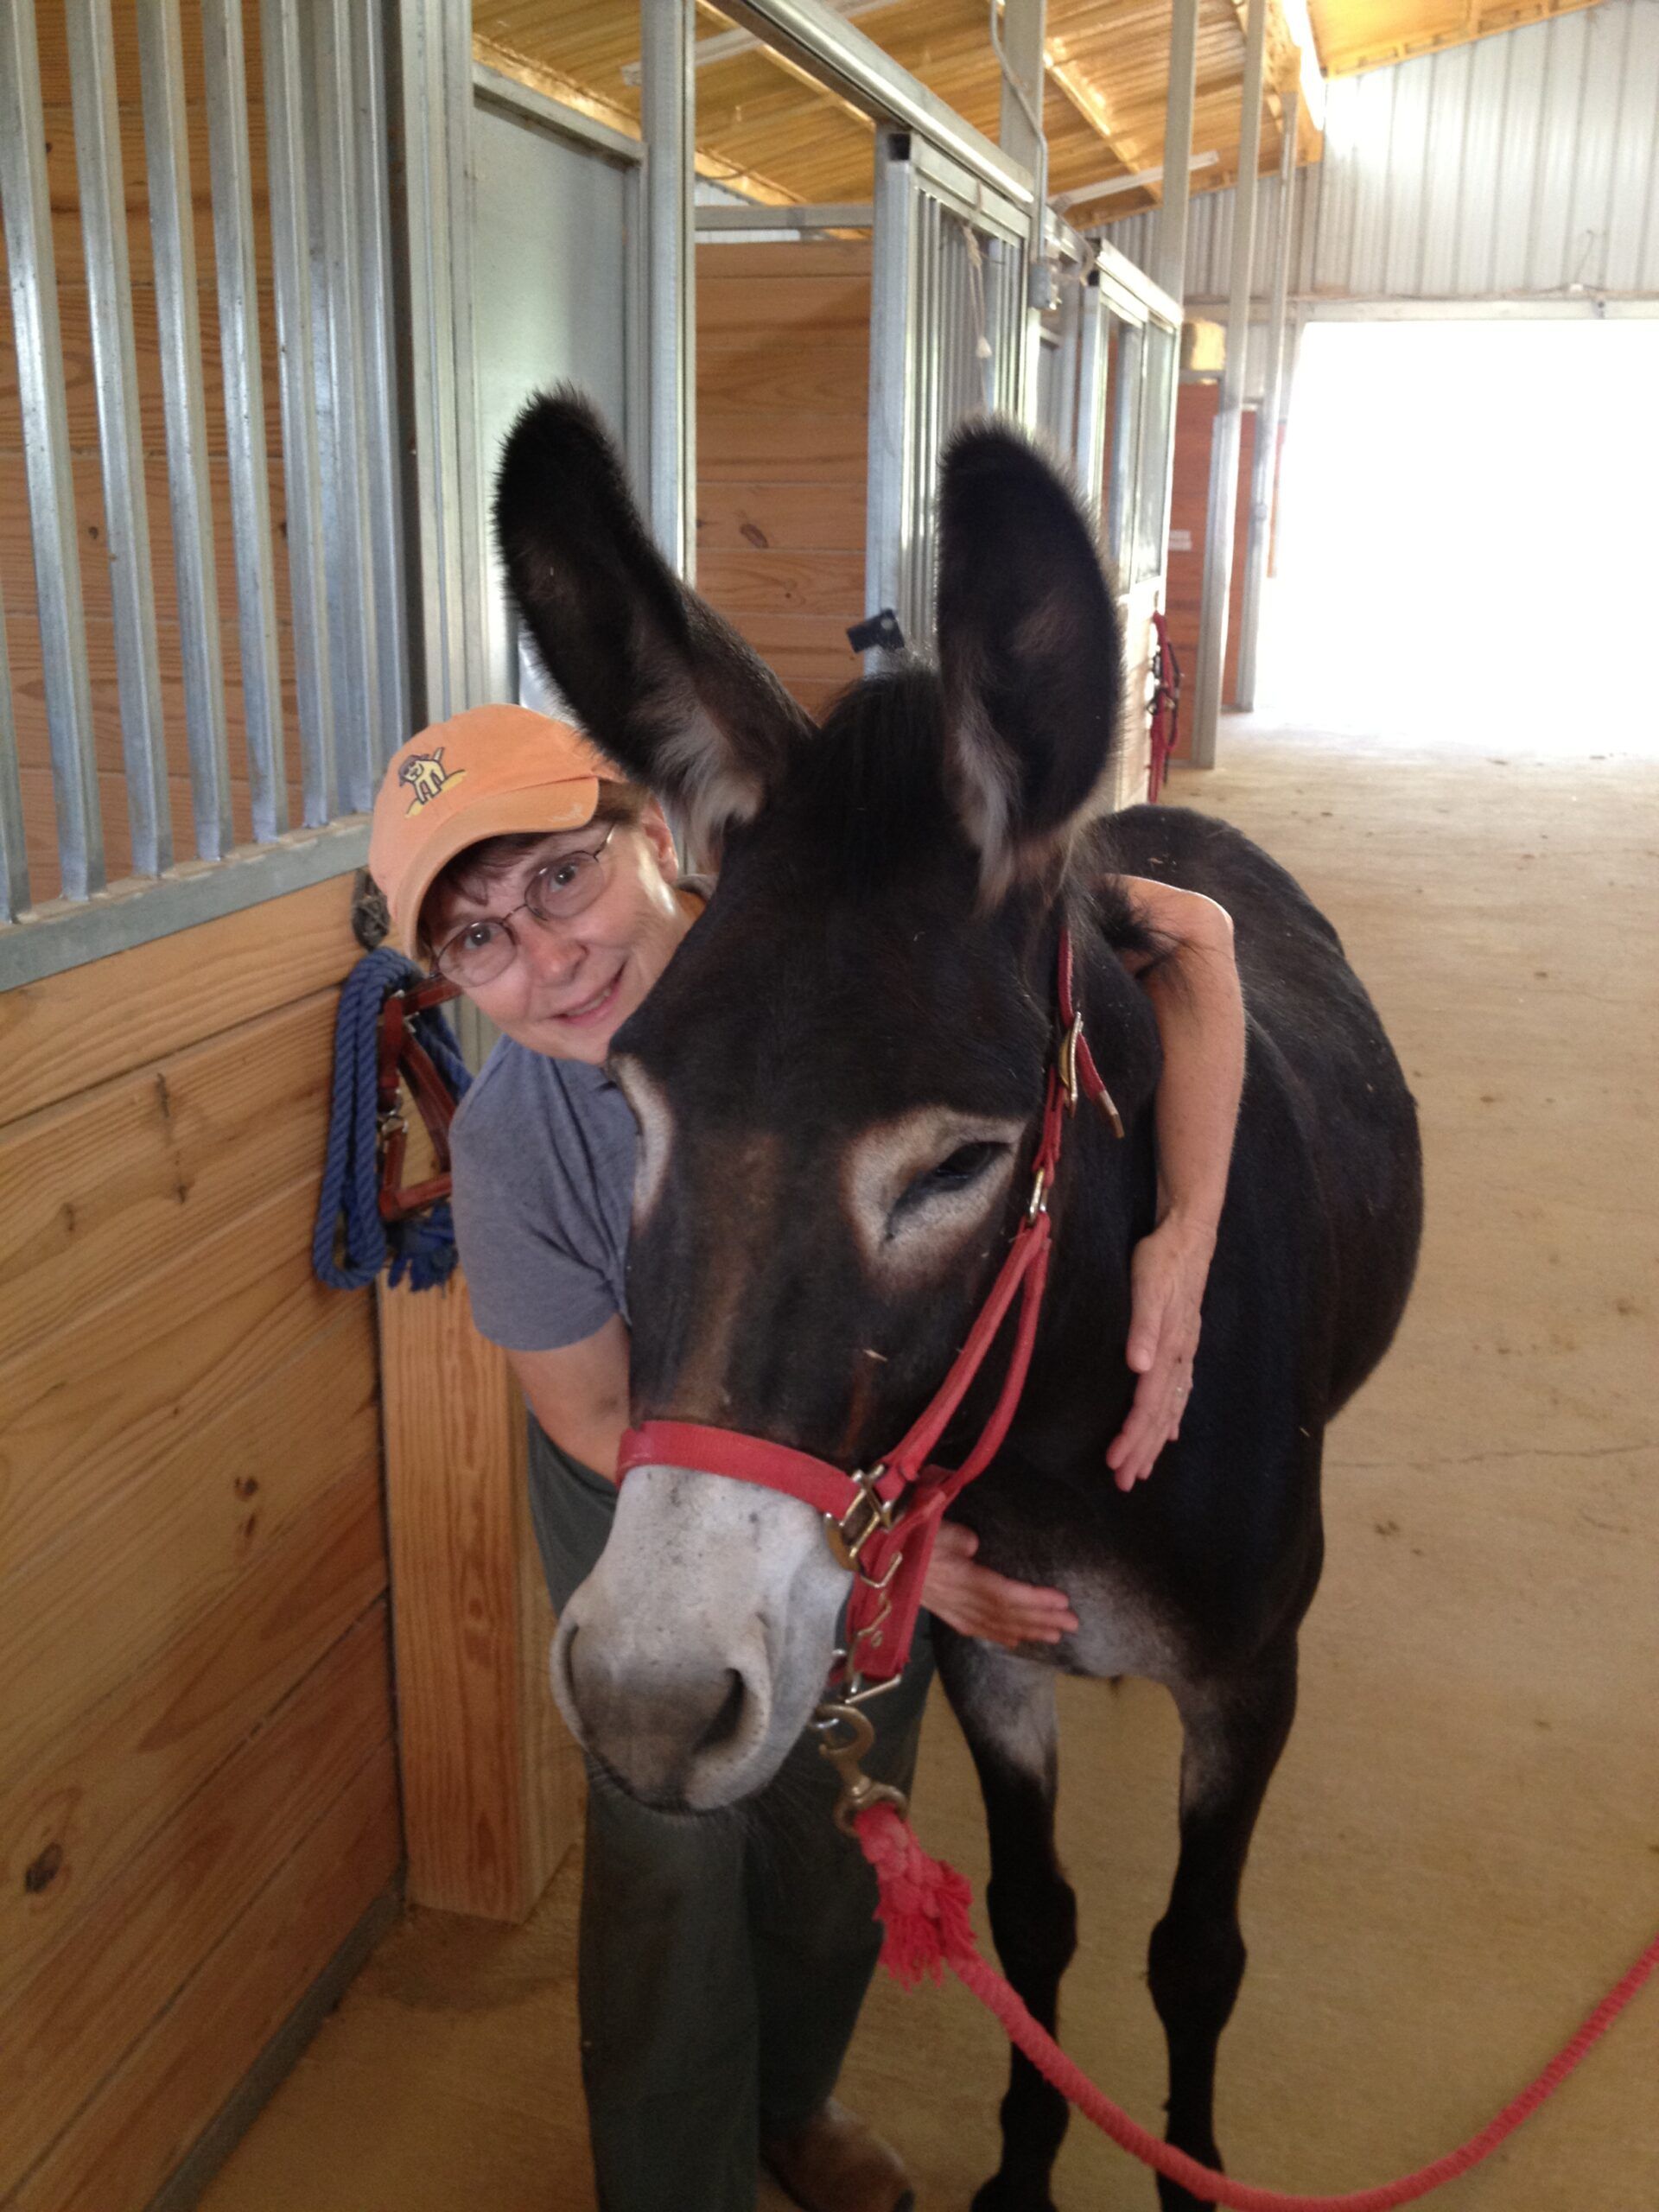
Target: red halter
[{"x": 882, "y": 1523}]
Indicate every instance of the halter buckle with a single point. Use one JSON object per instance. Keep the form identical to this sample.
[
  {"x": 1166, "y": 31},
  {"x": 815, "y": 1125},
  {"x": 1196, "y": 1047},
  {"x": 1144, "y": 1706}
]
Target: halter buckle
[
  {"x": 1038, "y": 1195},
  {"x": 1066, "y": 1061},
  {"x": 868, "y": 1513}
]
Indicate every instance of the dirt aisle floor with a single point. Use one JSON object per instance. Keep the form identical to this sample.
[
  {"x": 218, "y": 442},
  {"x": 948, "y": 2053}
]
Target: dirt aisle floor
[{"x": 1461, "y": 1850}]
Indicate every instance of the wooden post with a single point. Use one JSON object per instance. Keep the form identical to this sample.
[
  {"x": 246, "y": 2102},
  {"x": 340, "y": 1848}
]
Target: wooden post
[{"x": 491, "y": 1782}]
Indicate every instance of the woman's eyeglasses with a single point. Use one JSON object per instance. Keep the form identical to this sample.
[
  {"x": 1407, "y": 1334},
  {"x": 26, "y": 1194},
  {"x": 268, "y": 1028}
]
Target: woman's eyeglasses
[{"x": 559, "y": 890}]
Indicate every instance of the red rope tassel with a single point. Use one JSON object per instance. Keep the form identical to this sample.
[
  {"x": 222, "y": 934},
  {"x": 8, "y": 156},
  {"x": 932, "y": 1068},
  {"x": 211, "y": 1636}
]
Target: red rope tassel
[{"x": 924, "y": 1910}]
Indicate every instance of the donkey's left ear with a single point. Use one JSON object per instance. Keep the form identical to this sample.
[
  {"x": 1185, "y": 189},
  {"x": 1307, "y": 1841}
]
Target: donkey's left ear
[
  {"x": 656, "y": 677},
  {"x": 1029, "y": 650}
]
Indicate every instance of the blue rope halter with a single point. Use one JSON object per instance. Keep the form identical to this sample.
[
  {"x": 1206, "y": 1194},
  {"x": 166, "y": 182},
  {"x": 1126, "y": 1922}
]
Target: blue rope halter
[{"x": 422, "y": 1250}]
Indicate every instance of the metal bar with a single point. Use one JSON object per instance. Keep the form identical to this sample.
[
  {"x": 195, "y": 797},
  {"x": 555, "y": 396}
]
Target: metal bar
[
  {"x": 1126, "y": 442},
  {"x": 1018, "y": 135},
  {"x": 39, "y": 349},
  {"x": 161, "y": 64},
  {"x": 1088, "y": 446},
  {"x": 1223, "y": 452},
  {"x": 832, "y": 52},
  {"x": 14, "y": 850},
  {"x": 886, "y": 518},
  {"x": 353, "y": 650},
  {"x": 469, "y": 492},
  {"x": 381, "y": 383},
  {"x": 62, "y": 934},
  {"x": 837, "y": 215},
  {"x": 498, "y": 91},
  {"x": 226, "y": 70},
  {"x": 1110, "y": 187},
  {"x": 668, "y": 93},
  {"x": 933, "y": 244},
  {"x": 435, "y": 364},
  {"x": 109, "y": 284},
  {"x": 279, "y": 40},
  {"x": 1169, "y": 256},
  {"x": 1270, "y": 416}
]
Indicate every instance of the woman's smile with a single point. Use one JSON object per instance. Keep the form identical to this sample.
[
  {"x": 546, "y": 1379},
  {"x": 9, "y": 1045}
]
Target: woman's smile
[{"x": 592, "y": 1009}]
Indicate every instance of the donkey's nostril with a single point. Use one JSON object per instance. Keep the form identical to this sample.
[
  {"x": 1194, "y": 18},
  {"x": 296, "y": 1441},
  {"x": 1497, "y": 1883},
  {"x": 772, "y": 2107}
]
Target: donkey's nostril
[{"x": 724, "y": 1725}]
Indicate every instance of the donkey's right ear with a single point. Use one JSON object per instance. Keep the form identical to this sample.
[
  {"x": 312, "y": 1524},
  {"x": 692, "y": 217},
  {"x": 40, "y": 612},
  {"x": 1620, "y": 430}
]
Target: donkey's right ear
[{"x": 654, "y": 675}]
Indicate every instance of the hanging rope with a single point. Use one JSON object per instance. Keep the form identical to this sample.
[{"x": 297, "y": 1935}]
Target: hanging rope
[
  {"x": 352, "y": 1244},
  {"x": 924, "y": 1912}
]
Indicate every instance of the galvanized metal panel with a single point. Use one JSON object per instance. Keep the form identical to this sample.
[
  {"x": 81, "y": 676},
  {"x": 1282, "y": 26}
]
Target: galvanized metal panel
[
  {"x": 104, "y": 225},
  {"x": 39, "y": 349},
  {"x": 14, "y": 858},
  {"x": 550, "y": 304},
  {"x": 285, "y": 164},
  {"x": 1523, "y": 165},
  {"x": 161, "y": 65},
  {"x": 245, "y": 410}
]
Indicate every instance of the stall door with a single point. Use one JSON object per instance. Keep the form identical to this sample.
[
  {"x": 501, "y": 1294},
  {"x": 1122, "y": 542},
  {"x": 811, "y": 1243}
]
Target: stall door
[{"x": 554, "y": 303}]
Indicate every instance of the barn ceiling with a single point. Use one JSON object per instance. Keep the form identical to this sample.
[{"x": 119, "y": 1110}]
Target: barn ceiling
[{"x": 768, "y": 130}]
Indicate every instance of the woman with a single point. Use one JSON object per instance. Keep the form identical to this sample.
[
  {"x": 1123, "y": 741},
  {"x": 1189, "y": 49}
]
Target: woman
[{"x": 722, "y": 1962}]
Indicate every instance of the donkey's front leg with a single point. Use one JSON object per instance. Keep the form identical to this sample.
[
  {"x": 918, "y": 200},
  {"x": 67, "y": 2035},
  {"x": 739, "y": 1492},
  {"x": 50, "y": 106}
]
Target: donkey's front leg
[
  {"x": 1006, "y": 1707},
  {"x": 1235, "y": 1728}
]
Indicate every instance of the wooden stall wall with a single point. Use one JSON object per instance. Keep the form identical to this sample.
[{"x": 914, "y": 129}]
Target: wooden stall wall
[
  {"x": 197, "y": 1785},
  {"x": 18, "y": 592},
  {"x": 782, "y": 381},
  {"x": 1188, "y": 516}
]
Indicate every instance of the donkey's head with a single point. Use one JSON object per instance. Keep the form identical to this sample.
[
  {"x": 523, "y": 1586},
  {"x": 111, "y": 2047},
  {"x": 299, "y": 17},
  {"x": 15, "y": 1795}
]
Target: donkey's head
[{"x": 838, "y": 1079}]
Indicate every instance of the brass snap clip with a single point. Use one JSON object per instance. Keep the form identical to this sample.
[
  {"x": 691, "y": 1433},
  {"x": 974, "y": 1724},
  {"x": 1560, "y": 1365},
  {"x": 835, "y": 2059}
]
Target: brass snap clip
[{"x": 845, "y": 1736}]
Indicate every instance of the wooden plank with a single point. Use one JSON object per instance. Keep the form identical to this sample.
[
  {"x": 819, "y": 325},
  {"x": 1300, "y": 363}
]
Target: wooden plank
[
  {"x": 740, "y": 307},
  {"x": 81, "y": 2012},
  {"x": 782, "y": 449},
  {"x": 785, "y": 583},
  {"x": 93, "y": 1414},
  {"x": 471, "y": 1737},
  {"x": 828, "y": 259},
  {"x": 59, "y": 1036},
  {"x": 74, "y": 1817},
  {"x": 155, "y": 1162},
  {"x": 97, "y": 1610},
  {"x": 832, "y": 379},
  {"x": 804, "y": 518},
  {"x": 143, "y": 2117}
]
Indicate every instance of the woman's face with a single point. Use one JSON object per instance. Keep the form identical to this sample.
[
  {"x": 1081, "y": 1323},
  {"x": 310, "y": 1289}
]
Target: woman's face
[{"x": 572, "y": 984}]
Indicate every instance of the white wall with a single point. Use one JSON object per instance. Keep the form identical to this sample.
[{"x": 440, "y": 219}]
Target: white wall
[{"x": 1524, "y": 165}]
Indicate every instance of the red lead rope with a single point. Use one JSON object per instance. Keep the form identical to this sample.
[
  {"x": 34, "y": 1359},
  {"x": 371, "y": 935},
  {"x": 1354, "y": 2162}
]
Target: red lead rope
[{"x": 924, "y": 1910}]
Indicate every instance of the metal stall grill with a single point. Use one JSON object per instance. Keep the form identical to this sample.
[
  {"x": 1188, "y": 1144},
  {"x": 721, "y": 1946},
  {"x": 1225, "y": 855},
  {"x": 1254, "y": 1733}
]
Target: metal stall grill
[
  {"x": 184, "y": 718},
  {"x": 947, "y": 339}
]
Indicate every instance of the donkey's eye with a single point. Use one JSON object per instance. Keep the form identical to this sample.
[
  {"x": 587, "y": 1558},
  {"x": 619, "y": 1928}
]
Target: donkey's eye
[{"x": 964, "y": 1166}]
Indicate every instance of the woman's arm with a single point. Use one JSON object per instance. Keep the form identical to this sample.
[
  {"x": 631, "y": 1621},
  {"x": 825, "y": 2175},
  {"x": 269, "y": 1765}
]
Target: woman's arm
[
  {"x": 579, "y": 1394},
  {"x": 1200, "y": 1011}
]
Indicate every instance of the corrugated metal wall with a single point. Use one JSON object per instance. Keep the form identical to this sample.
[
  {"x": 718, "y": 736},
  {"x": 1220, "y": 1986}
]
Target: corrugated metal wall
[{"x": 1526, "y": 164}]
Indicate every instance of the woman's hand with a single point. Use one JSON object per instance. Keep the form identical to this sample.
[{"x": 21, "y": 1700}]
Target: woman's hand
[
  {"x": 978, "y": 1601},
  {"x": 1168, "y": 1271}
]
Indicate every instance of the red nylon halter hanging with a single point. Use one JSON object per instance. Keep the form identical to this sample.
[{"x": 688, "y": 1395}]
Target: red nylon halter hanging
[{"x": 883, "y": 1522}]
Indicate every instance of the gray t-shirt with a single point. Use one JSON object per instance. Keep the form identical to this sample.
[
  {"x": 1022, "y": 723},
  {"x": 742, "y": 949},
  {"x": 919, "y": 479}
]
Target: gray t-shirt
[{"x": 544, "y": 1189}]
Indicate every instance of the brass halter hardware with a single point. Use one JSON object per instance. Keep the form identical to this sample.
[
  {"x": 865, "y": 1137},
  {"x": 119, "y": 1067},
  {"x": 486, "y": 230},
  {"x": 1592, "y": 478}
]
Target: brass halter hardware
[{"x": 858, "y": 1791}]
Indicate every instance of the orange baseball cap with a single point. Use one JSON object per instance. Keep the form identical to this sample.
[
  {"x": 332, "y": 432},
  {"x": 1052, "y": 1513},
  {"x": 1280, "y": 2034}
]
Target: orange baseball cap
[{"x": 490, "y": 772}]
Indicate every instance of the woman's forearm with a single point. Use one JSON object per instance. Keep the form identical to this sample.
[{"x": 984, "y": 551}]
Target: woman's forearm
[{"x": 1195, "y": 996}]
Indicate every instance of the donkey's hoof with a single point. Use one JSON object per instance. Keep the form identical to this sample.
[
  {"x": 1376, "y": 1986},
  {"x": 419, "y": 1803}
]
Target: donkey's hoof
[{"x": 1006, "y": 2192}]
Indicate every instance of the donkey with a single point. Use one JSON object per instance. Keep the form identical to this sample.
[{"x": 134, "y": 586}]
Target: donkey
[{"x": 836, "y": 1083}]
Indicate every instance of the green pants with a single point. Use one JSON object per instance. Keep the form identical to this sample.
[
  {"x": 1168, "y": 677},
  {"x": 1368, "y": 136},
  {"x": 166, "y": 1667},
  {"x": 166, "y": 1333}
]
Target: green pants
[{"x": 723, "y": 1958}]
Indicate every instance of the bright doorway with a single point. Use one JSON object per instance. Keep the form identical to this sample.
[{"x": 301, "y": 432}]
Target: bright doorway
[{"x": 1469, "y": 547}]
